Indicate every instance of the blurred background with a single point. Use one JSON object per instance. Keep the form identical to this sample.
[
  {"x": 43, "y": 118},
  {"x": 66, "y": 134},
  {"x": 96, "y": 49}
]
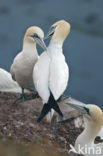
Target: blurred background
[{"x": 83, "y": 48}]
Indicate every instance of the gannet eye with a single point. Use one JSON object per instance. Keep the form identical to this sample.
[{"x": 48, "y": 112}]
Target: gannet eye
[
  {"x": 87, "y": 110},
  {"x": 53, "y": 27},
  {"x": 51, "y": 32},
  {"x": 35, "y": 35}
]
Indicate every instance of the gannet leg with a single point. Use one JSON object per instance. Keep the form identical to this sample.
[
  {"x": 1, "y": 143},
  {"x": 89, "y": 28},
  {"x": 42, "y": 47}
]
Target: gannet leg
[
  {"x": 22, "y": 98},
  {"x": 35, "y": 95}
]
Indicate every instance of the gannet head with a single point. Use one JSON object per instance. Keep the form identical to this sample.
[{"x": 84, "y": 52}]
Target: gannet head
[
  {"x": 59, "y": 31},
  {"x": 95, "y": 113},
  {"x": 91, "y": 112},
  {"x": 35, "y": 34}
]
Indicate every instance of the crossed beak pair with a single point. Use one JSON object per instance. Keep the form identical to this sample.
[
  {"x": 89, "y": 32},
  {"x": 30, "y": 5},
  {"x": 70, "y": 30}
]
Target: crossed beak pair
[
  {"x": 81, "y": 107},
  {"x": 40, "y": 41}
]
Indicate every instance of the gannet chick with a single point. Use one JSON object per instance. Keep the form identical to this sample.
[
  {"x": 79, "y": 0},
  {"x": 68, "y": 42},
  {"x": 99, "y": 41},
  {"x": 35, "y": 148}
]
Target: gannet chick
[
  {"x": 22, "y": 67},
  {"x": 51, "y": 72},
  {"x": 93, "y": 120}
]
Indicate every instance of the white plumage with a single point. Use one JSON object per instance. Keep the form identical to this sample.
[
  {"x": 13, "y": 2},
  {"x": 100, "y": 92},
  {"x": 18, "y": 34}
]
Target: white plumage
[
  {"x": 51, "y": 72},
  {"x": 59, "y": 72},
  {"x": 101, "y": 133},
  {"x": 93, "y": 121},
  {"x": 23, "y": 64},
  {"x": 6, "y": 82},
  {"x": 41, "y": 76},
  {"x": 22, "y": 67}
]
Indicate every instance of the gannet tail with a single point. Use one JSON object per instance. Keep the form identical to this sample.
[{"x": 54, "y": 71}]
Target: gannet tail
[
  {"x": 6, "y": 82},
  {"x": 52, "y": 104}
]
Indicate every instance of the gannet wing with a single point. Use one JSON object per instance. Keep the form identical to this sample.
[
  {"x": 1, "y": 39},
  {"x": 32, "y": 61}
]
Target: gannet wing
[
  {"x": 6, "y": 82},
  {"x": 41, "y": 76},
  {"x": 59, "y": 74},
  {"x": 17, "y": 60}
]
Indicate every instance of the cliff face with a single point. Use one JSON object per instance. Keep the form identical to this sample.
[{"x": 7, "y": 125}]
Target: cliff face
[
  {"x": 18, "y": 126},
  {"x": 18, "y": 122}
]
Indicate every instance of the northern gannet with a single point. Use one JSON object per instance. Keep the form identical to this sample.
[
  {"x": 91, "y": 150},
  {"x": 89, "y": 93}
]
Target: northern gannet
[
  {"x": 7, "y": 84},
  {"x": 51, "y": 72},
  {"x": 22, "y": 67},
  {"x": 93, "y": 121}
]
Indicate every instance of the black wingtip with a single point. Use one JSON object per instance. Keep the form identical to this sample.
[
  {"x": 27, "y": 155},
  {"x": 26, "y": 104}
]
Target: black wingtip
[
  {"x": 57, "y": 109},
  {"x": 52, "y": 104},
  {"x": 46, "y": 108}
]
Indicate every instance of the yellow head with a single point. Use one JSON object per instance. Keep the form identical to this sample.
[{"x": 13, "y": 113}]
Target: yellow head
[
  {"x": 95, "y": 113},
  {"x": 32, "y": 31},
  {"x": 59, "y": 31},
  {"x": 35, "y": 35}
]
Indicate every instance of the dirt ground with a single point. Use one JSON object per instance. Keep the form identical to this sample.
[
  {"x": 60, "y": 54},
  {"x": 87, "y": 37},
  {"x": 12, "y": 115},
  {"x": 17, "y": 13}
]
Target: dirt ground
[{"x": 18, "y": 124}]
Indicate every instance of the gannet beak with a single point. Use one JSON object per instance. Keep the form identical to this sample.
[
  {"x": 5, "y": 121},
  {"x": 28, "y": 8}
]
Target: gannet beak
[
  {"x": 40, "y": 42},
  {"x": 50, "y": 33},
  {"x": 82, "y": 108}
]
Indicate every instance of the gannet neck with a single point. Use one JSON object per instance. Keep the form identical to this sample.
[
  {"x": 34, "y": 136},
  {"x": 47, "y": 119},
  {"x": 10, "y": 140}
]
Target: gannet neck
[
  {"x": 55, "y": 45},
  {"x": 89, "y": 134},
  {"x": 29, "y": 47},
  {"x": 56, "y": 42}
]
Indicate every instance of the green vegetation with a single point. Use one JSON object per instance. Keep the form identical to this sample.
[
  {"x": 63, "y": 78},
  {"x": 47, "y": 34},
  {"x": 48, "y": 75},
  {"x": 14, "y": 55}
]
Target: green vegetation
[{"x": 39, "y": 148}]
